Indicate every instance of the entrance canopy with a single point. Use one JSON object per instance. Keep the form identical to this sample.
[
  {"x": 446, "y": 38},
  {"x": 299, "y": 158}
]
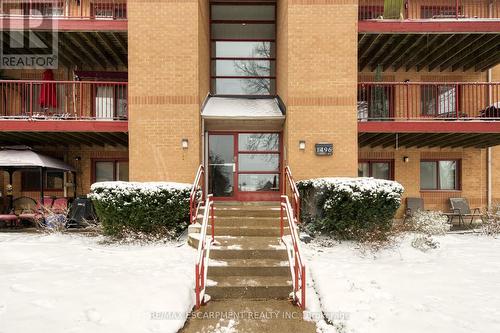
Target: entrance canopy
[
  {"x": 22, "y": 157},
  {"x": 243, "y": 113}
]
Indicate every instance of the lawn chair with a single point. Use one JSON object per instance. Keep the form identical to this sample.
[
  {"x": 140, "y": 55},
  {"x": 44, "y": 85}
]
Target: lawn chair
[
  {"x": 31, "y": 210},
  {"x": 413, "y": 205},
  {"x": 60, "y": 206},
  {"x": 461, "y": 209}
]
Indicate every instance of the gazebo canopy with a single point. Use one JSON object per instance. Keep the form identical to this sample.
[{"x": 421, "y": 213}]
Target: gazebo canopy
[{"x": 23, "y": 157}]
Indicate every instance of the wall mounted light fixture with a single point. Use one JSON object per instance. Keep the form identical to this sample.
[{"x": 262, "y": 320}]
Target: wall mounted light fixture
[
  {"x": 302, "y": 145},
  {"x": 185, "y": 143},
  {"x": 406, "y": 159}
]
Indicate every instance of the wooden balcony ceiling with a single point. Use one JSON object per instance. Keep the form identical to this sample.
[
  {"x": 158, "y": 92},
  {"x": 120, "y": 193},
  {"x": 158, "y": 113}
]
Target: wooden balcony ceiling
[
  {"x": 431, "y": 140},
  {"x": 88, "y": 50},
  {"x": 413, "y": 51},
  {"x": 65, "y": 138}
]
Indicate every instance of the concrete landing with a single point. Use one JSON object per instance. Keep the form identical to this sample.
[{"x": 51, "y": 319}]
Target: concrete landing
[{"x": 248, "y": 316}]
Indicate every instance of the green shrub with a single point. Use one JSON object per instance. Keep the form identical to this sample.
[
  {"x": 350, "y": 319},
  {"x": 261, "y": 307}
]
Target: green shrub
[
  {"x": 349, "y": 208},
  {"x": 143, "y": 207}
]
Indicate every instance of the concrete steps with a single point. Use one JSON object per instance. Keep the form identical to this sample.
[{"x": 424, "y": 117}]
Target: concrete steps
[
  {"x": 249, "y": 261},
  {"x": 254, "y": 287},
  {"x": 248, "y": 267}
]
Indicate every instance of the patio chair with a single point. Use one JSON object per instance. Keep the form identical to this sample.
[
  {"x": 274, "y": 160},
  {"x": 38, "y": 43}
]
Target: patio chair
[
  {"x": 413, "y": 205},
  {"x": 31, "y": 210},
  {"x": 461, "y": 209},
  {"x": 60, "y": 206}
]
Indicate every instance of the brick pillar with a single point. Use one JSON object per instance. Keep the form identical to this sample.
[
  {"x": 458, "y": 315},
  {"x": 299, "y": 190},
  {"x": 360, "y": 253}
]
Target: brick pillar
[
  {"x": 317, "y": 76},
  {"x": 168, "y": 80}
]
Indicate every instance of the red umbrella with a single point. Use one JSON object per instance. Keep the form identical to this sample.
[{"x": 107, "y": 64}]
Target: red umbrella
[{"x": 48, "y": 92}]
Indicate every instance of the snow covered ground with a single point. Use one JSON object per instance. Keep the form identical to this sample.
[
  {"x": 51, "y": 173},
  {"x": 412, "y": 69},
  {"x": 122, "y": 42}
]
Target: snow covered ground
[
  {"x": 71, "y": 284},
  {"x": 452, "y": 289}
]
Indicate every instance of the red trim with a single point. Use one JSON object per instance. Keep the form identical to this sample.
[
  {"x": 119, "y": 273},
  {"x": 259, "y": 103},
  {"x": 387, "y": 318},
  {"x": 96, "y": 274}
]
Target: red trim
[
  {"x": 252, "y": 195},
  {"x": 94, "y": 160},
  {"x": 61, "y": 24},
  {"x": 374, "y": 160},
  {"x": 45, "y": 189},
  {"x": 453, "y": 26},
  {"x": 63, "y": 126},
  {"x": 458, "y": 174},
  {"x": 459, "y": 126}
]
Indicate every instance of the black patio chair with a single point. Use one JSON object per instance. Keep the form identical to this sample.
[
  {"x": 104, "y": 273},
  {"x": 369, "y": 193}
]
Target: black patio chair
[
  {"x": 460, "y": 208},
  {"x": 413, "y": 205}
]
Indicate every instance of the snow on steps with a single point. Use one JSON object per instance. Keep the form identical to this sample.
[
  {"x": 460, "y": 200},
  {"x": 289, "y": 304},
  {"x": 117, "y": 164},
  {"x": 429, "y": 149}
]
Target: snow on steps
[{"x": 249, "y": 260}]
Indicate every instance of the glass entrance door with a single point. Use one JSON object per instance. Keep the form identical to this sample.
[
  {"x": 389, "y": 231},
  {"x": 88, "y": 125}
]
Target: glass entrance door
[
  {"x": 244, "y": 166},
  {"x": 221, "y": 165}
]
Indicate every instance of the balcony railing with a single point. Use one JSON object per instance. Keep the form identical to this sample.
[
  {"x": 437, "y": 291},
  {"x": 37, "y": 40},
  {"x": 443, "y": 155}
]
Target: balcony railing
[
  {"x": 63, "y": 9},
  {"x": 60, "y": 100},
  {"x": 428, "y": 101},
  {"x": 428, "y": 9}
]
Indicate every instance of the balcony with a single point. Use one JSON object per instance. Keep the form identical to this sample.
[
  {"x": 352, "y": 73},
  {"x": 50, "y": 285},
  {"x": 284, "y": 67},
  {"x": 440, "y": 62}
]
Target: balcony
[
  {"x": 84, "y": 15},
  {"x": 418, "y": 16},
  {"x": 429, "y": 9},
  {"x": 444, "y": 114},
  {"x": 428, "y": 101},
  {"x": 59, "y": 106},
  {"x": 63, "y": 9}
]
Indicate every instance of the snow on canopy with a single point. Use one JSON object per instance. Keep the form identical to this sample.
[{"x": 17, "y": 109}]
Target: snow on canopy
[
  {"x": 19, "y": 157},
  {"x": 228, "y": 107}
]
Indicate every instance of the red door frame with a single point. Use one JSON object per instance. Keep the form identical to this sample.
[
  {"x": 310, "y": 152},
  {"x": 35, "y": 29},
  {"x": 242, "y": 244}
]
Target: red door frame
[{"x": 251, "y": 195}]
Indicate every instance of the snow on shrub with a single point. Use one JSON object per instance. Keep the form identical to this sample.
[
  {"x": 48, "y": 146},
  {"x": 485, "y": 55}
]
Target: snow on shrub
[
  {"x": 145, "y": 207},
  {"x": 349, "y": 208},
  {"x": 430, "y": 222}
]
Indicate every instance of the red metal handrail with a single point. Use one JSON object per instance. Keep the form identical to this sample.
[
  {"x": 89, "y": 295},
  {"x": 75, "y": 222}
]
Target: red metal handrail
[
  {"x": 432, "y": 9},
  {"x": 428, "y": 101},
  {"x": 201, "y": 266},
  {"x": 194, "y": 201},
  {"x": 60, "y": 9},
  {"x": 63, "y": 100},
  {"x": 295, "y": 193},
  {"x": 292, "y": 244}
]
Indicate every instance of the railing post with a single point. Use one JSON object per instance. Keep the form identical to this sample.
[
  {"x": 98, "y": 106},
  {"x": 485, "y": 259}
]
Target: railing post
[
  {"x": 31, "y": 100},
  {"x": 281, "y": 219},
  {"x": 303, "y": 292},
  {"x": 296, "y": 270},
  {"x": 213, "y": 221},
  {"x": 456, "y": 9},
  {"x": 456, "y": 101},
  {"x": 197, "y": 285}
]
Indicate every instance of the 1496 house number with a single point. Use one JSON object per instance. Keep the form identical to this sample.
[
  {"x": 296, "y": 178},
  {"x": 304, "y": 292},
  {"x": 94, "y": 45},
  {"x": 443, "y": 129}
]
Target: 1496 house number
[{"x": 324, "y": 149}]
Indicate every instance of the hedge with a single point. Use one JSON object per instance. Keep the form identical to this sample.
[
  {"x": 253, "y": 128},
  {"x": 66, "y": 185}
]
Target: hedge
[
  {"x": 146, "y": 207},
  {"x": 349, "y": 208}
]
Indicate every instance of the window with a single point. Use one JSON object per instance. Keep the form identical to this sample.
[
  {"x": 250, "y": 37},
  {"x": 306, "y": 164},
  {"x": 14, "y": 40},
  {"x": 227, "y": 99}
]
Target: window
[
  {"x": 243, "y": 59},
  {"x": 52, "y": 181},
  {"x": 110, "y": 170},
  {"x": 438, "y": 100},
  {"x": 440, "y": 175},
  {"x": 375, "y": 101},
  {"x": 376, "y": 169}
]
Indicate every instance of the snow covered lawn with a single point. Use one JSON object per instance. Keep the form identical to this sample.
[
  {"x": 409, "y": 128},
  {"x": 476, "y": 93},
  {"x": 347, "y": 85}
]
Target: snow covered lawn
[
  {"x": 452, "y": 289},
  {"x": 71, "y": 283}
]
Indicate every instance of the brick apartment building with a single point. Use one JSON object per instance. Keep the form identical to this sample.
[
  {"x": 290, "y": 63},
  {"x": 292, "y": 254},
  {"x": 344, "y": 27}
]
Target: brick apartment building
[{"x": 149, "y": 90}]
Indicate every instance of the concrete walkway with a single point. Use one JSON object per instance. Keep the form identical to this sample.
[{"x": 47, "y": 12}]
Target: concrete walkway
[{"x": 248, "y": 316}]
